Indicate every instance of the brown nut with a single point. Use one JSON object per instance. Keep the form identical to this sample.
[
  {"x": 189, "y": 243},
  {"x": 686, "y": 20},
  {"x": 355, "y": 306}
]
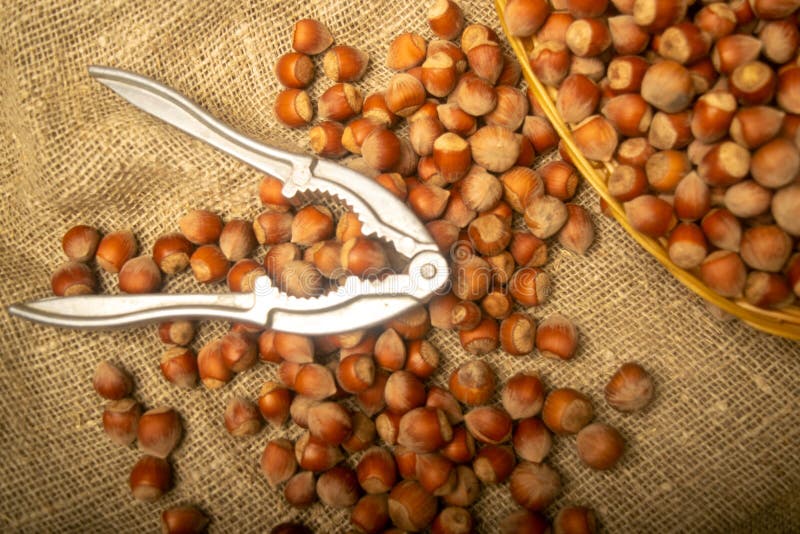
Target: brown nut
[
  {"x": 493, "y": 464},
  {"x": 424, "y": 430},
  {"x": 557, "y": 337},
  {"x": 407, "y": 50},
  {"x": 111, "y": 382},
  {"x": 473, "y": 383},
  {"x": 179, "y": 366},
  {"x": 150, "y": 478},
  {"x": 171, "y": 252},
  {"x": 534, "y": 486},
  {"x": 310, "y": 36},
  {"x": 114, "y": 250},
  {"x": 278, "y": 462},
  {"x": 73, "y": 278},
  {"x": 241, "y": 417},
  {"x": 211, "y": 367},
  {"x": 183, "y": 520},
  {"x": 159, "y": 431},
  {"x": 630, "y": 388},
  {"x": 121, "y": 419},
  {"x": 523, "y": 395},
  {"x": 483, "y": 338},
  {"x": 209, "y": 264},
  {"x": 600, "y": 446},
  {"x": 140, "y": 275},
  {"x": 294, "y": 70},
  {"x": 566, "y": 411},
  {"x": 489, "y": 424},
  {"x": 80, "y": 242},
  {"x": 344, "y": 63},
  {"x": 531, "y": 440},
  {"x": 445, "y": 19}
]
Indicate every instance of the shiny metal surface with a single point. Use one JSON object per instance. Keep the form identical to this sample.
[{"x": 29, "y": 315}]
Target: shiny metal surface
[{"x": 356, "y": 304}]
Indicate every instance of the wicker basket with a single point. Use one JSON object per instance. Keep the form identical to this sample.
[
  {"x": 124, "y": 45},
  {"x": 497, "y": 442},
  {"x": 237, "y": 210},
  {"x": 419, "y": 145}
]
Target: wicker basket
[{"x": 784, "y": 322}]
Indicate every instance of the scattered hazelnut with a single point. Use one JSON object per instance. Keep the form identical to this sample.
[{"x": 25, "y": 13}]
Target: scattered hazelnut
[
  {"x": 242, "y": 417},
  {"x": 120, "y": 420},
  {"x": 140, "y": 275},
  {"x": 534, "y": 486},
  {"x": 531, "y": 440},
  {"x": 111, "y": 382},
  {"x": 566, "y": 411},
  {"x": 411, "y": 507},
  {"x": 523, "y": 395},
  {"x": 338, "y": 487},
  {"x": 278, "y": 462},
  {"x": 159, "y": 431},
  {"x": 599, "y": 446},
  {"x": 80, "y": 242},
  {"x": 114, "y": 250},
  {"x": 150, "y": 478},
  {"x": 73, "y": 278},
  {"x": 183, "y": 520},
  {"x": 179, "y": 366},
  {"x": 310, "y": 37},
  {"x": 370, "y": 514},
  {"x": 300, "y": 490}
]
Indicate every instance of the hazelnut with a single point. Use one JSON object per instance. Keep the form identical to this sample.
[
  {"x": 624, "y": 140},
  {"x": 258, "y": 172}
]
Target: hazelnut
[
  {"x": 545, "y": 215},
  {"x": 114, "y": 250},
  {"x": 550, "y": 61},
  {"x": 411, "y": 324},
  {"x": 753, "y": 83},
  {"x": 687, "y": 246},
  {"x": 422, "y": 359},
  {"x": 209, "y": 264},
  {"x": 278, "y": 462},
  {"x": 717, "y": 20},
  {"x": 511, "y": 108},
  {"x": 489, "y": 424},
  {"x": 270, "y": 192},
  {"x": 521, "y": 185},
  {"x": 482, "y": 339},
  {"x": 453, "y": 520},
  {"x": 176, "y": 332},
  {"x": 140, "y": 275},
  {"x": 424, "y": 430},
  {"x": 788, "y": 90},
  {"x": 377, "y": 471},
  {"x": 578, "y": 519},
  {"x": 667, "y": 85},
  {"x": 183, "y": 520},
  {"x": 650, "y": 215},
  {"x": 473, "y": 382},
  {"x": 566, "y": 411},
  {"x": 493, "y": 464},
  {"x": 724, "y": 272},
  {"x": 596, "y": 138},
  {"x": 531, "y": 440},
  {"x": 530, "y": 286},
  {"x": 150, "y": 478},
  {"x": 497, "y": 304},
  {"x": 627, "y": 37},
  {"x": 445, "y": 401},
  {"x": 179, "y": 366},
  {"x": 370, "y": 514},
  {"x": 517, "y": 334},
  {"x": 494, "y": 148},
  {"x": 273, "y": 403},
  {"x": 159, "y": 431},
  {"x": 485, "y": 60},
  {"x": 387, "y": 426},
  {"x": 294, "y": 70},
  {"x": 767, "y": 290},
  {"x": 557, "y": 337},
  {"x": 363, "y": 434},
  {"x": 524, "y": 17},
  {"x": 722, "y": 229},
  {"x": 371, "y": 400},
  {"x": 445, "y": 19},
  {"x": 111, "y": 382},
  {"x": 390, "y": 350},
  {"x": 325, "y": 139},
  {"x": 467, "y": 488},
  {"x": 211, "y": 366},
  {"x": 534, "y": 486},
  {"x": 237, "y": 239},
  {"x": 344, "y": 63},
  {"x": 242, "y": 417},
  {"x": 404, "y": 94},
  {"x": 329, "y": 422},
  {"x": 80, "y": 242},
  {"x": 588, "y": 37},
  {"x": 310, "y": 37},
  {"x": 407, "y": 50},
  {"x": 765, "y": 248},
  {"x": 785, "y": 205},
  {"x": 525, "y": 521},
  {"x": 411, "y": 507},
  {"x": 436, "y": 474},
  {"x": 300, "y": 490},
  {"x": 340, "y": 102},
  {"x": 577, "y": 234},
  {"x": 73, "y": 278},
  {"x": 242, "y": 275},
  {"x": 527, "y": 250},
  {"x": 461, "y": 448},
  {"x": 403, "y": 392},
  {"x": 315, "y": 381},
  {"x": 315, "y": 455},
  {"x": 120, "y": 420},
  {"x": 489, "y": 234},
  {"x": 171, "y": 252},
  {"x": 635, "y": 151},
  {"x": 599, "y": 446},
  {"x": 474, "y": 95},
  {"x": 523, "y": 395},
  {"x": 356, "y": 372}
]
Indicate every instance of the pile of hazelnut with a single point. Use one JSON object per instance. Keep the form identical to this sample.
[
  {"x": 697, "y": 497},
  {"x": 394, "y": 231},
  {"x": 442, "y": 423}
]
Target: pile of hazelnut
[
  {"x": 465, "y": 169},
  {"x": 698, "y": 104}
]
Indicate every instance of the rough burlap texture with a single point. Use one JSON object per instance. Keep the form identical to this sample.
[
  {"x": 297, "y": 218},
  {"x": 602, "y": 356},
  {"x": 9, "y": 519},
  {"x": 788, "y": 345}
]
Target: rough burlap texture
[{"x": 718, "y": 450}]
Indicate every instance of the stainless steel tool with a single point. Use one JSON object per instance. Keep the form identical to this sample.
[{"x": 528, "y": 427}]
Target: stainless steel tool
[{"x": 355, "y": 304}]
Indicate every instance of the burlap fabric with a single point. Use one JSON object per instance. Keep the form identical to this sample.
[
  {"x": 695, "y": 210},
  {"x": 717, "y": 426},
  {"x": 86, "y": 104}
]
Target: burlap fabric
[{"x": 717, "y": 451}]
